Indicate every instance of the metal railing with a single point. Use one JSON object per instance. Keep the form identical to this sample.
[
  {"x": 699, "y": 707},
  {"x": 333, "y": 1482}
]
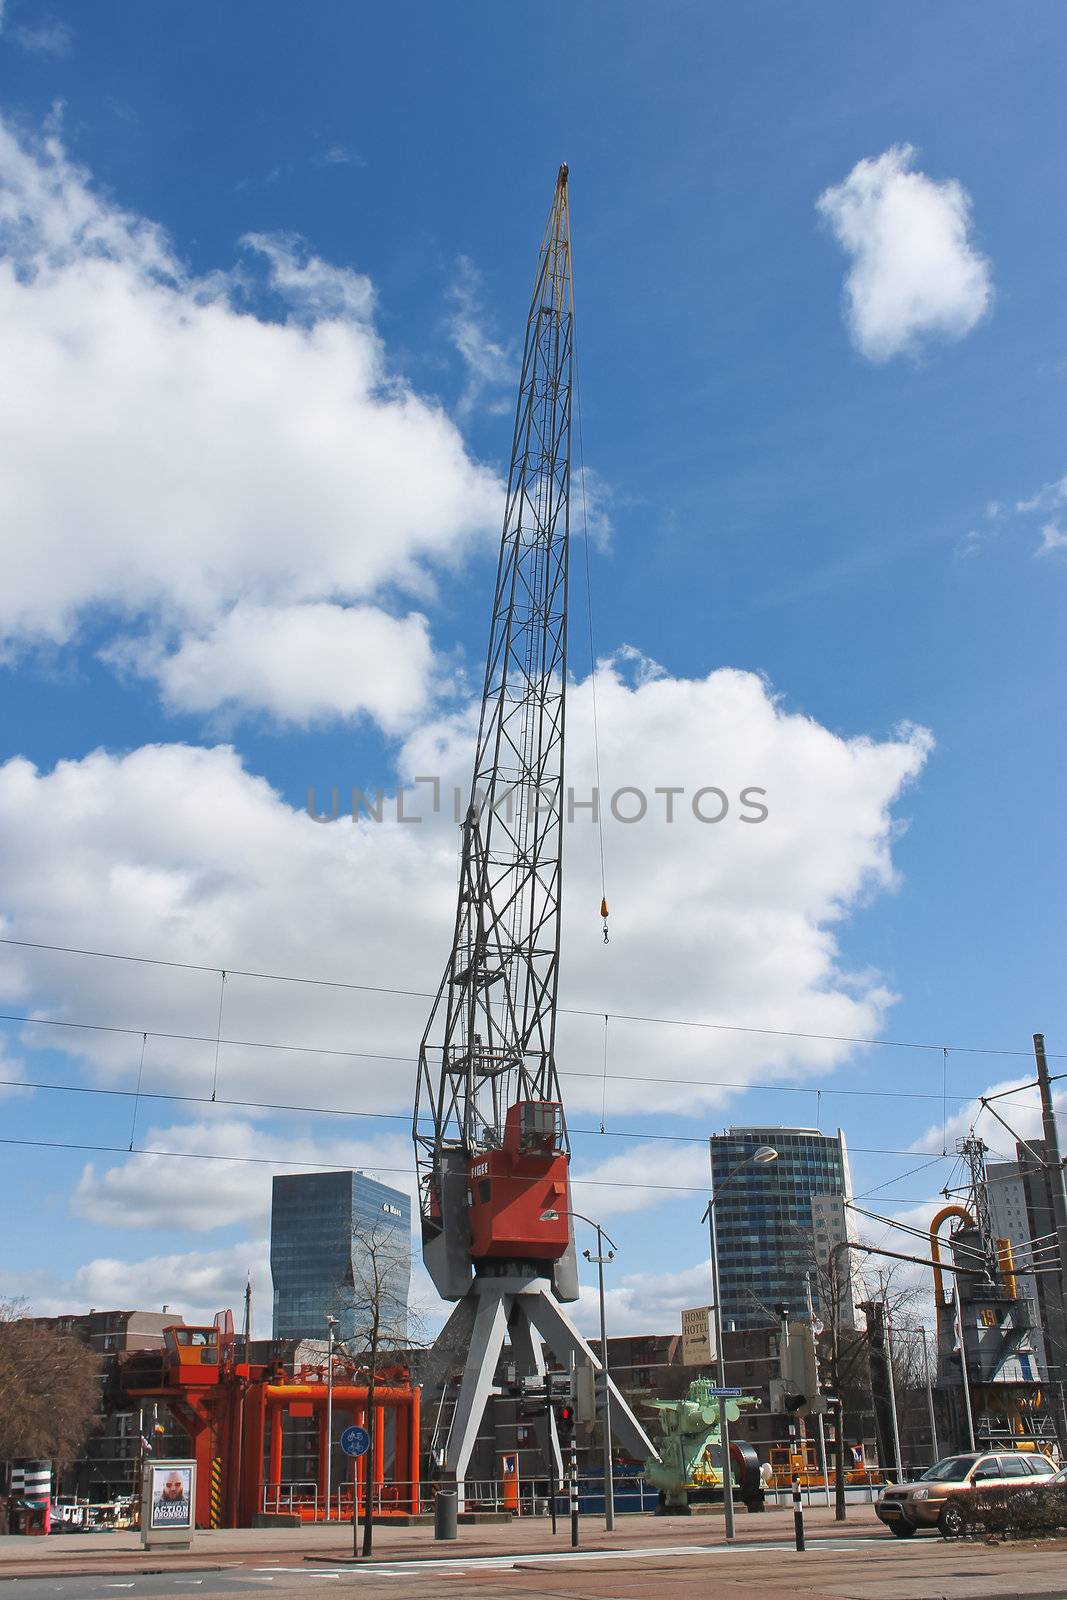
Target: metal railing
[
  {"x": 291, "y": 1499},
  {"x": 863, "y": 1492},
  {"x": 523, "y": 1497}
]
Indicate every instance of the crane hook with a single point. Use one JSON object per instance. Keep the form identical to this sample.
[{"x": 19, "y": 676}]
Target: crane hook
[{"x": 604, "y": 914}]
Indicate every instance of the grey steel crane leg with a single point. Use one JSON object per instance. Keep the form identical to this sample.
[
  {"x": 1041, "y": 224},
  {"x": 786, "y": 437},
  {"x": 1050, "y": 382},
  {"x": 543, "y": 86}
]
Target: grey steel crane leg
[
  {"x": 564, "y": 1340},
  {"x": 530, "y": 1362},
  {"x": 487, "y": 1341},
  {"x": 524, "y": 1307}
]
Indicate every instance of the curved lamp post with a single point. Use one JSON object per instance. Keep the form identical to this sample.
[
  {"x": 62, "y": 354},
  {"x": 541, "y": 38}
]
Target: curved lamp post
[
  {"x": 600, "y": 1260},
  {"x": 760, "y": 1157}
]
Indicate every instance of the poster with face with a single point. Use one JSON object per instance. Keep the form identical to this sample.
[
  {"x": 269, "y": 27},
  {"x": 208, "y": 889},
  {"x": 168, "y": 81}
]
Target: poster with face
[{"x": 172, "y": 1495}]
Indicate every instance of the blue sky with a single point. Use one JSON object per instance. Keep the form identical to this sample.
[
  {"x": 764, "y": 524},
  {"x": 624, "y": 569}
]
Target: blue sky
[{"x": 252, "y": 498}]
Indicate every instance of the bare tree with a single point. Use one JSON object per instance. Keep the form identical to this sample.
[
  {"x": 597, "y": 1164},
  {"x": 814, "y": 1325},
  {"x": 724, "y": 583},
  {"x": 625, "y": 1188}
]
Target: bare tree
[
  {"x": 845, "y": 1352},
  {"x": 373, "y": 1305},
  {"x": 49, "y": 1388}
]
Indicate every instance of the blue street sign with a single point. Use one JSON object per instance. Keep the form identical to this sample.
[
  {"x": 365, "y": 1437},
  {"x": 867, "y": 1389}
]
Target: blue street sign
[
  {"x": 721, "y": 1394},
  {"x": 356, "y": 1441}
]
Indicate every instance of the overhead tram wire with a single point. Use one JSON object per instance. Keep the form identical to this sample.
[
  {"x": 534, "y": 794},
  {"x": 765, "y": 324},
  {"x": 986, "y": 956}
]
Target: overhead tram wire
[
  {"x": 171, "y": 1096},
  {"x": 328, "y": 1166},
  {"x": 571, "y": 1011},
  {"x": 216, "y": 1040}
]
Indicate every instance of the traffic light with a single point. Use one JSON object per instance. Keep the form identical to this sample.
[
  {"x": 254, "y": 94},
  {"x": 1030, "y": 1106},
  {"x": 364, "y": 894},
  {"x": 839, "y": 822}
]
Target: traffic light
[
  {"x": 565, "y": 1419},
  {"x": 800, "y": 1371}
]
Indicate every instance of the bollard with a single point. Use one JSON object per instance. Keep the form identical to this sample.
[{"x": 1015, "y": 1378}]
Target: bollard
[
  {"x": 446, "y": 1514},
  {"x": 798, "y": 1514}
]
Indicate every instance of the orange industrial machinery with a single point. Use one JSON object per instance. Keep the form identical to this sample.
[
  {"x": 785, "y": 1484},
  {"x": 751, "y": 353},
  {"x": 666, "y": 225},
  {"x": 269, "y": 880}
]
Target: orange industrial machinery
[
  {"x": 233, "y": 1412},
  {"x": 518, "y": 1195}
]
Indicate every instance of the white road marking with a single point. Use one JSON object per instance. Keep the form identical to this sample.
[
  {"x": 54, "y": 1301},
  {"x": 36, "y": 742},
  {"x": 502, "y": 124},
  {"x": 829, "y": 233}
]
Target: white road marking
[{"x": 453, "y": 1566}]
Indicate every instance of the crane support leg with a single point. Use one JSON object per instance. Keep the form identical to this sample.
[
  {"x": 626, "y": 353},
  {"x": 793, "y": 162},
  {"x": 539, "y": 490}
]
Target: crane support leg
[
  {"x": 487, "y": 1341},
  {"x": 530, "y": 1363},
  {"x": 563, "y": 1339},
  {"x": 526, "y": 1307}
]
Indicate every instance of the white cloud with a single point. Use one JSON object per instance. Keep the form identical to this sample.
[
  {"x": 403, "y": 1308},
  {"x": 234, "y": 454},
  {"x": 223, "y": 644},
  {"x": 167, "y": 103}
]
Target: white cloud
[
  {"x": 48, "y": 38},
  {"x": 644, "y": 1302},
  {"x": 916, "y": 272},
  {"x": 300, "y": 664},
  {"x": 12, "y": 1073},
  {"x": 181, "y": 852},
  {"x": 1047, "y": 498},
  {"x": 663, "y": 1167},
  {"x": 164, "y": 1191},
  {"x": 191, "y": 1284},
  {"x": 1022, "y": 1113},
  {"x": 177, "y": 464},
  {"x": 1053, "y": 539},
  {"x": 487, "y": 363}
]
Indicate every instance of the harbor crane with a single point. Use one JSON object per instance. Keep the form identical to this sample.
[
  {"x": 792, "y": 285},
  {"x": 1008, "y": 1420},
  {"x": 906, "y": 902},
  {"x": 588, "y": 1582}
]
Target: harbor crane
[{"x": 492, "y": 1152}]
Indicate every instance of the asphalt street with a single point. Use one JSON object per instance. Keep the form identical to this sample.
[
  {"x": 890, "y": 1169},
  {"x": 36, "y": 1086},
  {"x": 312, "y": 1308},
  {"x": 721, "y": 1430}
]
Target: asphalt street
[{"x": 858, "y": 1567}]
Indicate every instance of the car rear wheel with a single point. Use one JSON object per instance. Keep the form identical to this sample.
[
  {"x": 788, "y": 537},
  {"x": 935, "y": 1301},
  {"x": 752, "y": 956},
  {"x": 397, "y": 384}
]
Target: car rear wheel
[
  {"x": 950, "y": 1522},
  {"x": 902, "y": 1530}
]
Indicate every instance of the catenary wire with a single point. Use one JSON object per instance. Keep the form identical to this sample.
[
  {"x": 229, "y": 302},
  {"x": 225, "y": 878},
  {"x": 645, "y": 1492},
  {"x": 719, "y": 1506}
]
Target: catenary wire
[
  {"x": 372, "y": 1055},
  {"x": 572, "y": 1011},
  {"x": 379, "y": 1116}
]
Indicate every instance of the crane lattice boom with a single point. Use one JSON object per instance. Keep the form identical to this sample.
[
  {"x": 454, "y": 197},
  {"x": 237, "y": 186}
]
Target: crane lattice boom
[{"x": 486, "y": 1063}]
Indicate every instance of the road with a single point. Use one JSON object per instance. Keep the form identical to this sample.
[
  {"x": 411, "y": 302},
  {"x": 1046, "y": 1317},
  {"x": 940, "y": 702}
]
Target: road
[{"x": 863, "y": 1566}]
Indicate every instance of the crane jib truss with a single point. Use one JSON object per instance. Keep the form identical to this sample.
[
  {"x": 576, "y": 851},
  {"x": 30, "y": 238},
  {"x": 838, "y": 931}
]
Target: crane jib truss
[
  {"x": 490, "y": 1038},
  {"x": 490, "y": 1139}
]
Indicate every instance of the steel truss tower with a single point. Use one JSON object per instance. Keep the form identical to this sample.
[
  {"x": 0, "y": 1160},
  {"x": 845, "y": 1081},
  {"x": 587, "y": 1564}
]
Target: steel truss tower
[
  {"x": 491, "y": 1146},
  {"x": 490, "y": 1038}
]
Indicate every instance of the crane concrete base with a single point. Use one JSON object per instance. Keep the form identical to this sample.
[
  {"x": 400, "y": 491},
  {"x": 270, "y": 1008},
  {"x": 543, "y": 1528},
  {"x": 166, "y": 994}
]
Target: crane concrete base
[{"x": 521, "y": 1308}]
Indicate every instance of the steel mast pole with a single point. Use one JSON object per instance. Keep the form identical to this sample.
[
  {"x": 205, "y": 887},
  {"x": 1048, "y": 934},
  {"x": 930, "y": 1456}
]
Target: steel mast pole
[
  {"x": 720, "y": 1359},
  {"x": 822, "y": 1425},
  {"x": 929, "y": 1394},
  {"x": 1058, "y": 1186},
  {"x": 898, "y": 1462},
  {"x": 331, "y": 1323},
  {"x": 609, "y": 1470}
]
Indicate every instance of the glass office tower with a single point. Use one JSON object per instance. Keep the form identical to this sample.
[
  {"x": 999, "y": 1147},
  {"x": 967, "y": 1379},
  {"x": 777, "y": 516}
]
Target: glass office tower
[
  {"x": 775, "y": 1220},
  {"x": 324, "y": 1227}
]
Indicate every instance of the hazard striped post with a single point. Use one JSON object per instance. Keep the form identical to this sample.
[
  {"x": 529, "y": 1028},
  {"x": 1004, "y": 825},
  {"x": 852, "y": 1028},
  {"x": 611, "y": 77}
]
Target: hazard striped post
[
  {"x": 798, "y": 1504},
  {"x": 574, "y": 1492},
  {"x": 216, "y": 1492}
]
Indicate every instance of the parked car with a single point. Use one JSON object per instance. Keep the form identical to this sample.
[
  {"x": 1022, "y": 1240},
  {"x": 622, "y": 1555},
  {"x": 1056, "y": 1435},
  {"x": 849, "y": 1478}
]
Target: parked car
[{"x": 932, "y": 1502}]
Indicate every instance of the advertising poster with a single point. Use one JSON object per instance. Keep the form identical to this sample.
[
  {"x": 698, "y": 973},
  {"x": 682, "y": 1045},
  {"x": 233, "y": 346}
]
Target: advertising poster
[{"x": 171, "y": 1496}]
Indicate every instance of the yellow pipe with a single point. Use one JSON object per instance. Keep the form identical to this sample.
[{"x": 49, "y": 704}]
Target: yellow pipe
[
  {"x": 935, "y": 1250},
  {"x": 1006, "y": 1263}
]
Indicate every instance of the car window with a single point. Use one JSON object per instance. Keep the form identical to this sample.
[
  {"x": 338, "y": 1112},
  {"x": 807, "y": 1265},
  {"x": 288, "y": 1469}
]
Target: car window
[
  {"x": 1013, "y": 1467},
  {"x": 987, "y": 1467},
  {"x": 1040, "y": 1466},
  {"x": 951, "y": 1470}
]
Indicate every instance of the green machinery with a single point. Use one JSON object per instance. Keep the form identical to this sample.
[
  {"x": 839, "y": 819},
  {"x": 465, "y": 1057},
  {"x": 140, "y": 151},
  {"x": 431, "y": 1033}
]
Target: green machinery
[{"x": 690, "y": 1455}]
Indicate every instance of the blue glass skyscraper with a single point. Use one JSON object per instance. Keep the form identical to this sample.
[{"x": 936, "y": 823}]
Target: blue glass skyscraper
[
  {"x": 775, "y": 1221},
  {"x": 325, "y": 1229}
]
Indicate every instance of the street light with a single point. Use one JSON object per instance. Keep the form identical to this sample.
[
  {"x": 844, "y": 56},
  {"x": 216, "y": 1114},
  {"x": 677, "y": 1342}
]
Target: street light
[
  {"x": 761, "y": 1156},
  {"x": 331, "y": 1323},
  {"x": 600, "y": 1260}
]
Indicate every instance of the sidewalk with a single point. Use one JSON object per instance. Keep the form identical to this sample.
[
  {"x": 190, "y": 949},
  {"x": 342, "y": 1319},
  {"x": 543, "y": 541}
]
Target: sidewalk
[{"x": 71, "y": 1553}]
